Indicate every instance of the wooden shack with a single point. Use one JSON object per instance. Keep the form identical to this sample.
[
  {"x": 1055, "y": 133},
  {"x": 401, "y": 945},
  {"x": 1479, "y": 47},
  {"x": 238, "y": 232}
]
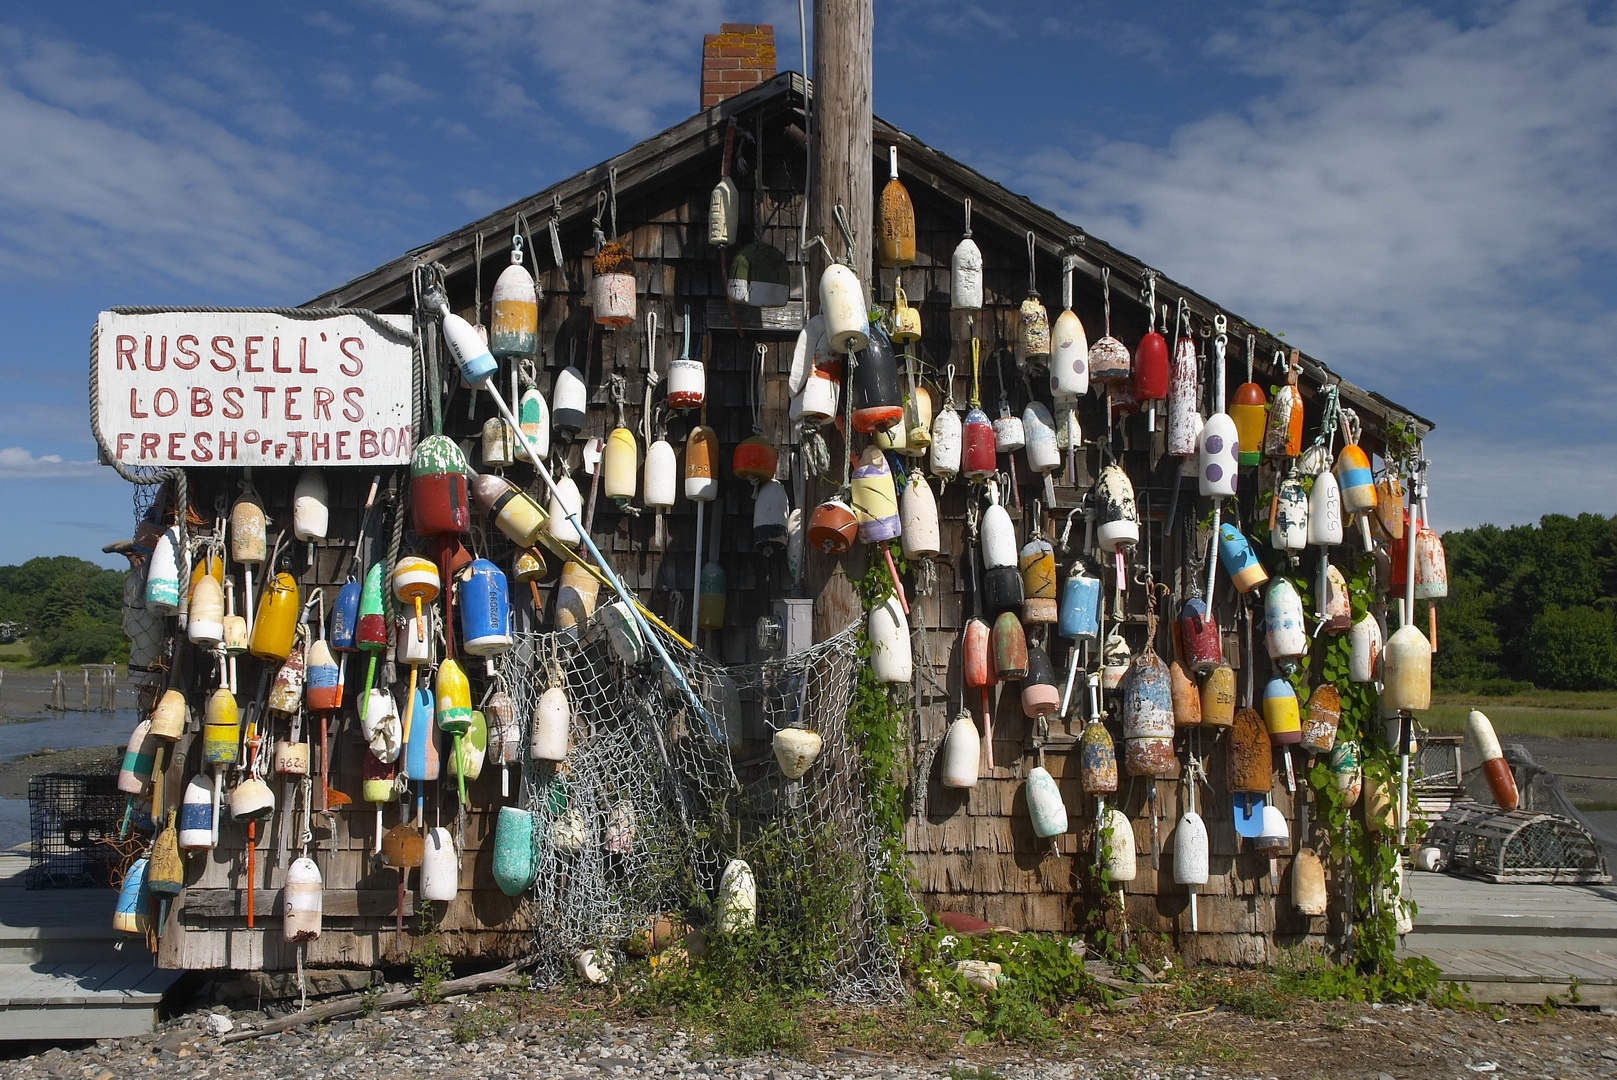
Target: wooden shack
[{"x": 972, "y": 851}]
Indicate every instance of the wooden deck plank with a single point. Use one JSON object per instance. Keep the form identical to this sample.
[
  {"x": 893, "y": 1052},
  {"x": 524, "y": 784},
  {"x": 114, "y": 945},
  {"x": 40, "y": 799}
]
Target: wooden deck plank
[
  {"x": 1530, "y": 967},
  {"x": 1597, "y": 961},
  {"x": 1581, "y": 969}
]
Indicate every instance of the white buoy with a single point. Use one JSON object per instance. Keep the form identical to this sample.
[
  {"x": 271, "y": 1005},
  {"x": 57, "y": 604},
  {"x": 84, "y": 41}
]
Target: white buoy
[
  {"x": 440, "y": 869},
  {"x": 843, "y": 306},
  {"x": 311, "y": 513},
  {"x": 738, "y": 898},
  {"x": 595, "y": 965},
  {"x": 918, "y": 515},
  {"x": 962, "y": 753},
  {"x": 302, "y": 902},
  {"x": 1044, "y": 805},
  {"x": 1407, "y": 671},
  {"x": 946, "y": 438},
  {"x": 196, "y": 814},
  {"x": 1284, "y": 634},
  {"x": 1119, "y": 516},
  {"x": 998, "y": 537},
  {"x": 140, "y": 753},
  {"x": 1308, "y": 893},
  {"x": 1069, "y": 349},
  {"x": 205, "y": 618},
  {"x": 796, "y": 751},
  {"x": 769, "y": 513},
  {"x": 163, "y": 574},
  {"x": 381, "y": 726},
  {"x": 1190, "y": 850},
  {"x": 551, "y": 717},
  {"x": 1291, "y": 517},
  {"x": 565, "y": 499},
  {"x": 1325, "y": 511},
  {"x": 1121, "y": 862},
  {"x": 966, "y": 272},
  {"x": 890, "y": 642},
  {"x": 662, "y": 475},
  {"x": 1364, "y": 650}
]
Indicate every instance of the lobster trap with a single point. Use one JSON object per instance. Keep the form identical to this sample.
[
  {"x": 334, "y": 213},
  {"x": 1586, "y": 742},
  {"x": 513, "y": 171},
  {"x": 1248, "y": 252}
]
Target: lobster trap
[
  {"x": 72, "y": 820},
  {"x": 1517, "y": 847}
]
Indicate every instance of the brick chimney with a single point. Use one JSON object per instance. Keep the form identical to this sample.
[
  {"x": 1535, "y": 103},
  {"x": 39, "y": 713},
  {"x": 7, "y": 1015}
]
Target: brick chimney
[{"x": 739, "y": 56}]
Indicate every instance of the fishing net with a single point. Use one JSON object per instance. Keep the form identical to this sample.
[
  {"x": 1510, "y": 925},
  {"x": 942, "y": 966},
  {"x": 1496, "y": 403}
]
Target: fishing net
[{"x": 650, "y": 804}]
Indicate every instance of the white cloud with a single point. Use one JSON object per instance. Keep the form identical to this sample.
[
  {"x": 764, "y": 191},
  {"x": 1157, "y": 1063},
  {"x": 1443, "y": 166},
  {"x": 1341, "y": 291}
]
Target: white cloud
[
  {"x": 1419, "y": 201},
  {"x": 395, "y": 89},
  {"x": 17, "y": 463}
]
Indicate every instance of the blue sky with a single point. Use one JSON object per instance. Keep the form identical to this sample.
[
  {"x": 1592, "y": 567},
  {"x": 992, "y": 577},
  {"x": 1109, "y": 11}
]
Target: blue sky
[{"x": 1424, "y": 196}]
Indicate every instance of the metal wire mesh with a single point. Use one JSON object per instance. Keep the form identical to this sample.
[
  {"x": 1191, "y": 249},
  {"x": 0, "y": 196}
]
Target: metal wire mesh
[
  {"x": 651, "y": 804},
  {"x": 71, "y": 816}
]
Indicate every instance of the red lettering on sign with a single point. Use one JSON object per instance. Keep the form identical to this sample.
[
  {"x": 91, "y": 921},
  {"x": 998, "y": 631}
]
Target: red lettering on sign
[
  {"x": 248, "y": 351},
  {"x": 201, "y": 401},
  {"x": 174, "y": 451},
  {"x": 181, "y": 349},
  {"x": 355, "y": 412},
  {"x": 173, "y": 403},
  {"x": 322, "y": 403},
  {"x": 303, "y": 358},
  {"x": 221, "y": 354},
  {"x": 134, "y": 405},
  {"x": 124, "y": 438},
  {"x": 232, "y": 407},
  {"x": 292, "y": 393},
  {"x": 297, "y": 443},
  {"x": 149, "y": 442},
  {"x": 202, "y": 452},
  {"x": 264, "y": 393},
  {"x": 342, "y": 446},
  {"x": 359, "y": 365},
  {"x": 275, "y": 357},
  {"x": 227, "y": 441},
  {"x": 320, "y": 445},
  {"x": 162, "y": 358},
  {"x": 368, "y": 446},
  {"x": 126, "y": 350}
]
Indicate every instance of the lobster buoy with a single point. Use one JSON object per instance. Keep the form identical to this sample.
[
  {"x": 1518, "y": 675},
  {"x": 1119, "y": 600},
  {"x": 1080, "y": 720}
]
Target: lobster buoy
[
  {"x": 1239, "y": 560},
  {"x": 895, "y": 227},
  {"x": 1079, "y": 616},
  {"x": 1069, "y": 349},
  {"x": 1364, "y": 650},
  {"x": 514, "y": 311},
  {"x": 277, "y": 621},
  {"x": 1249, "y": 411},
  {"x": 1190, "y": 850},
  {"x": 1043, "y": 452},
  {"x": 796, "y": 751},
  {"x": 248, "y": 543},
  {"x": 1097, "y": 757},
  {"x": 1407, "y": 671},
  {"x": 919, "y": 537},
  {"x": 416, "y": 580},
  {"x": 376, "y": 783},
  {"x": 129, "y": 914},
  {"x": 1184, "y": 418},
  {"x": 1290, "y": 532},
  {"x": 533, "y": 418},
  {"x": 163, "y": 573},
  {"x": 251, "y": 800},
  {"x": 998, "y": 537},
  {"x": 1040, "y": 694},
  {"x": 135, "y": 772},
  {"x": 291, "y": 758},
  {"x": 571, "y": 400},
  {"x": 1218, "y": 697},
  {"x": 1338, "y": 603},
  {"x": 504, "y": 735},
  {"x": 1109, "y": 364},
  {"x": 701, "y": 459},
  {"x": 1274, "y": 836},
  {"x": 471, "y": 748},
  {"x": 1283, "y": 437},
  {"x": 962, "y": 753},
  {"x": 917, "y": 422},
  {"x": 1345, "y": 774},
  {"x": 1120, "y": 862},
  {"x": 738, "y": 898},
  {"x": 370, "y": 633},
  {"x": 552, "y": 716},
  {"x": 662, "y": 475},
  {"x": 622, "y": 632},
  {"x": 565, "y": 505},
  {"x": 345, "y": 617},
  {"x": 877, "y": 402},
  {"x": 1284, "y": 635},
  {"x": 286, "y": 691},
  {"x": 1308, "y": 894},
  {"x": 1431, "y": 565},
  {"x": 946, "y": 443},
  {"x": 1114, "y": 659},
  {"x": 470, "y": 352},
  {"x": 1281, "y": 714},
  {"x": 1187, "y": 702},
  {"x": 419, "y": 753},
  {"x": 1325, "y": 512},
  {"x": 890, "y": 642},
  {"x": 1009, "y": 434},
  {"x": 832, "y": 527},
  {"x": 169, "y": 715},
  {"x": 311, "y": 512},
  {"x": 687, "y": 378},
  {"x": 1044, "y": 806},
  {"x": 440, "y": 870},
  {"x": 205, "y": 616},
  {"x": 754, "y": 459},
  {"x": 966, "y": 272},
  {"x": 1356, "y": 482},
  {"x": 514, "y": 864},
  {"x": 1217, "y": 457},
  {"x": 1501, "y": 781},
  {"x": 770, "y": 512},
  {"x": 760, "y": 276},
  {"x": 322, "y": 689},
  {"x": 514, "y": 511},
  {"x": 439, "y": 504},
  {"x": 712, "y": 591},
  {"x": 724, "y": 203},
  {"x": 978, "y": 460},
  {"x": 221, "y": 729},
  {"x": 1200, "y": 645},
  {"x": 196, "y": 814},
  {"x": 875, "y": 502},
  {"x": 816, "y": 403},
  {"x": 302, "y": 903},
  {"x": 1037, "y": 564},
  {"x": 1324, "y": 716},
  {"x": 1151, "y": 366},
  {"x": 1119, "y": 517},
  {"x": 1251, "y": 754},
  {"x": 1148, "y": 722},
  {"x": 485, "y": 609},
  {"x": 382, "y": 727},
  {"x": 1032, "y": 330},
  {"x": 612, "y": 289},
  {"x": 842, "y": 305},
  {"x": 620, "y": 466},
  {"x": 1008, "y": 644}
]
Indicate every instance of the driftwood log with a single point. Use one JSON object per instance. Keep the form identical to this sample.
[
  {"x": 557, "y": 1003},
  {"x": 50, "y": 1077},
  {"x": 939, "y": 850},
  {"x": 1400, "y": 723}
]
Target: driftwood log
[{"x": 354, "y": 1003}]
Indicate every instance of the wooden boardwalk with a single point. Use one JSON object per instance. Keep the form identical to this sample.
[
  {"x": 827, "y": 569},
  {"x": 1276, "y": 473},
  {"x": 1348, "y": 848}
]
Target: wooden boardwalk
[
  {"x": 1518, "y": 944},
  {"x": 64, "y": 972}
]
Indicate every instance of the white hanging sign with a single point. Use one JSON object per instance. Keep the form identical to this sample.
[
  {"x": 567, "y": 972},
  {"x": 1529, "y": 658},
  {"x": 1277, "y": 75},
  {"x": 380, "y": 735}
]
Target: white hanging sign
[{"x": 209, "y": 389}]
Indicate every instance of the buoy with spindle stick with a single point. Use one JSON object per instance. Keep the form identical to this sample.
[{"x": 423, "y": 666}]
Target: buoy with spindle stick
[{"x": 1501, "y": 781}]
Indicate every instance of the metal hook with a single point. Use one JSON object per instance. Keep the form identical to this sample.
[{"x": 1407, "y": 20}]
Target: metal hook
[{"x": 1032, "y": 264}]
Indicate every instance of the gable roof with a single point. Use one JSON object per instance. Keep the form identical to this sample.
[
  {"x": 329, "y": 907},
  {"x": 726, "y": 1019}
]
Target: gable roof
[{"x": 572, "y": 202}]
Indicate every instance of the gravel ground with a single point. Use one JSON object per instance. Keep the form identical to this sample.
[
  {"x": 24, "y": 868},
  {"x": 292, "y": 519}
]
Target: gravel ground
[{"x": 1391, "y": 1043}]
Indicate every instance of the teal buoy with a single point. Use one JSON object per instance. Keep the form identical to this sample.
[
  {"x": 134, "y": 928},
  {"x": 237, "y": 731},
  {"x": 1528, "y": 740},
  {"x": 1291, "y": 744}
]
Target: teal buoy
[{"x": 514, "y": 867}]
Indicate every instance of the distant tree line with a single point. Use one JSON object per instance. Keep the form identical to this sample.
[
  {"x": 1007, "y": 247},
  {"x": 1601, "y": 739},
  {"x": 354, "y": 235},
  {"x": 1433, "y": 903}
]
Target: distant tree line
[
  {"x": 73, "y": 609},
  {"x": 1531, "y": 603}
]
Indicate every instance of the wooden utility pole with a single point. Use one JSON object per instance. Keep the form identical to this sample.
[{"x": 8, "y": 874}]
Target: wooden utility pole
[{"x": 840, "y": 172}]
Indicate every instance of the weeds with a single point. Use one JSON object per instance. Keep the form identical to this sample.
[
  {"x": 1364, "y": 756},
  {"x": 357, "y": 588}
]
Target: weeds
[
  {"x": 430, "y": 965},
  {"x": 476, "y": 1024}
]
